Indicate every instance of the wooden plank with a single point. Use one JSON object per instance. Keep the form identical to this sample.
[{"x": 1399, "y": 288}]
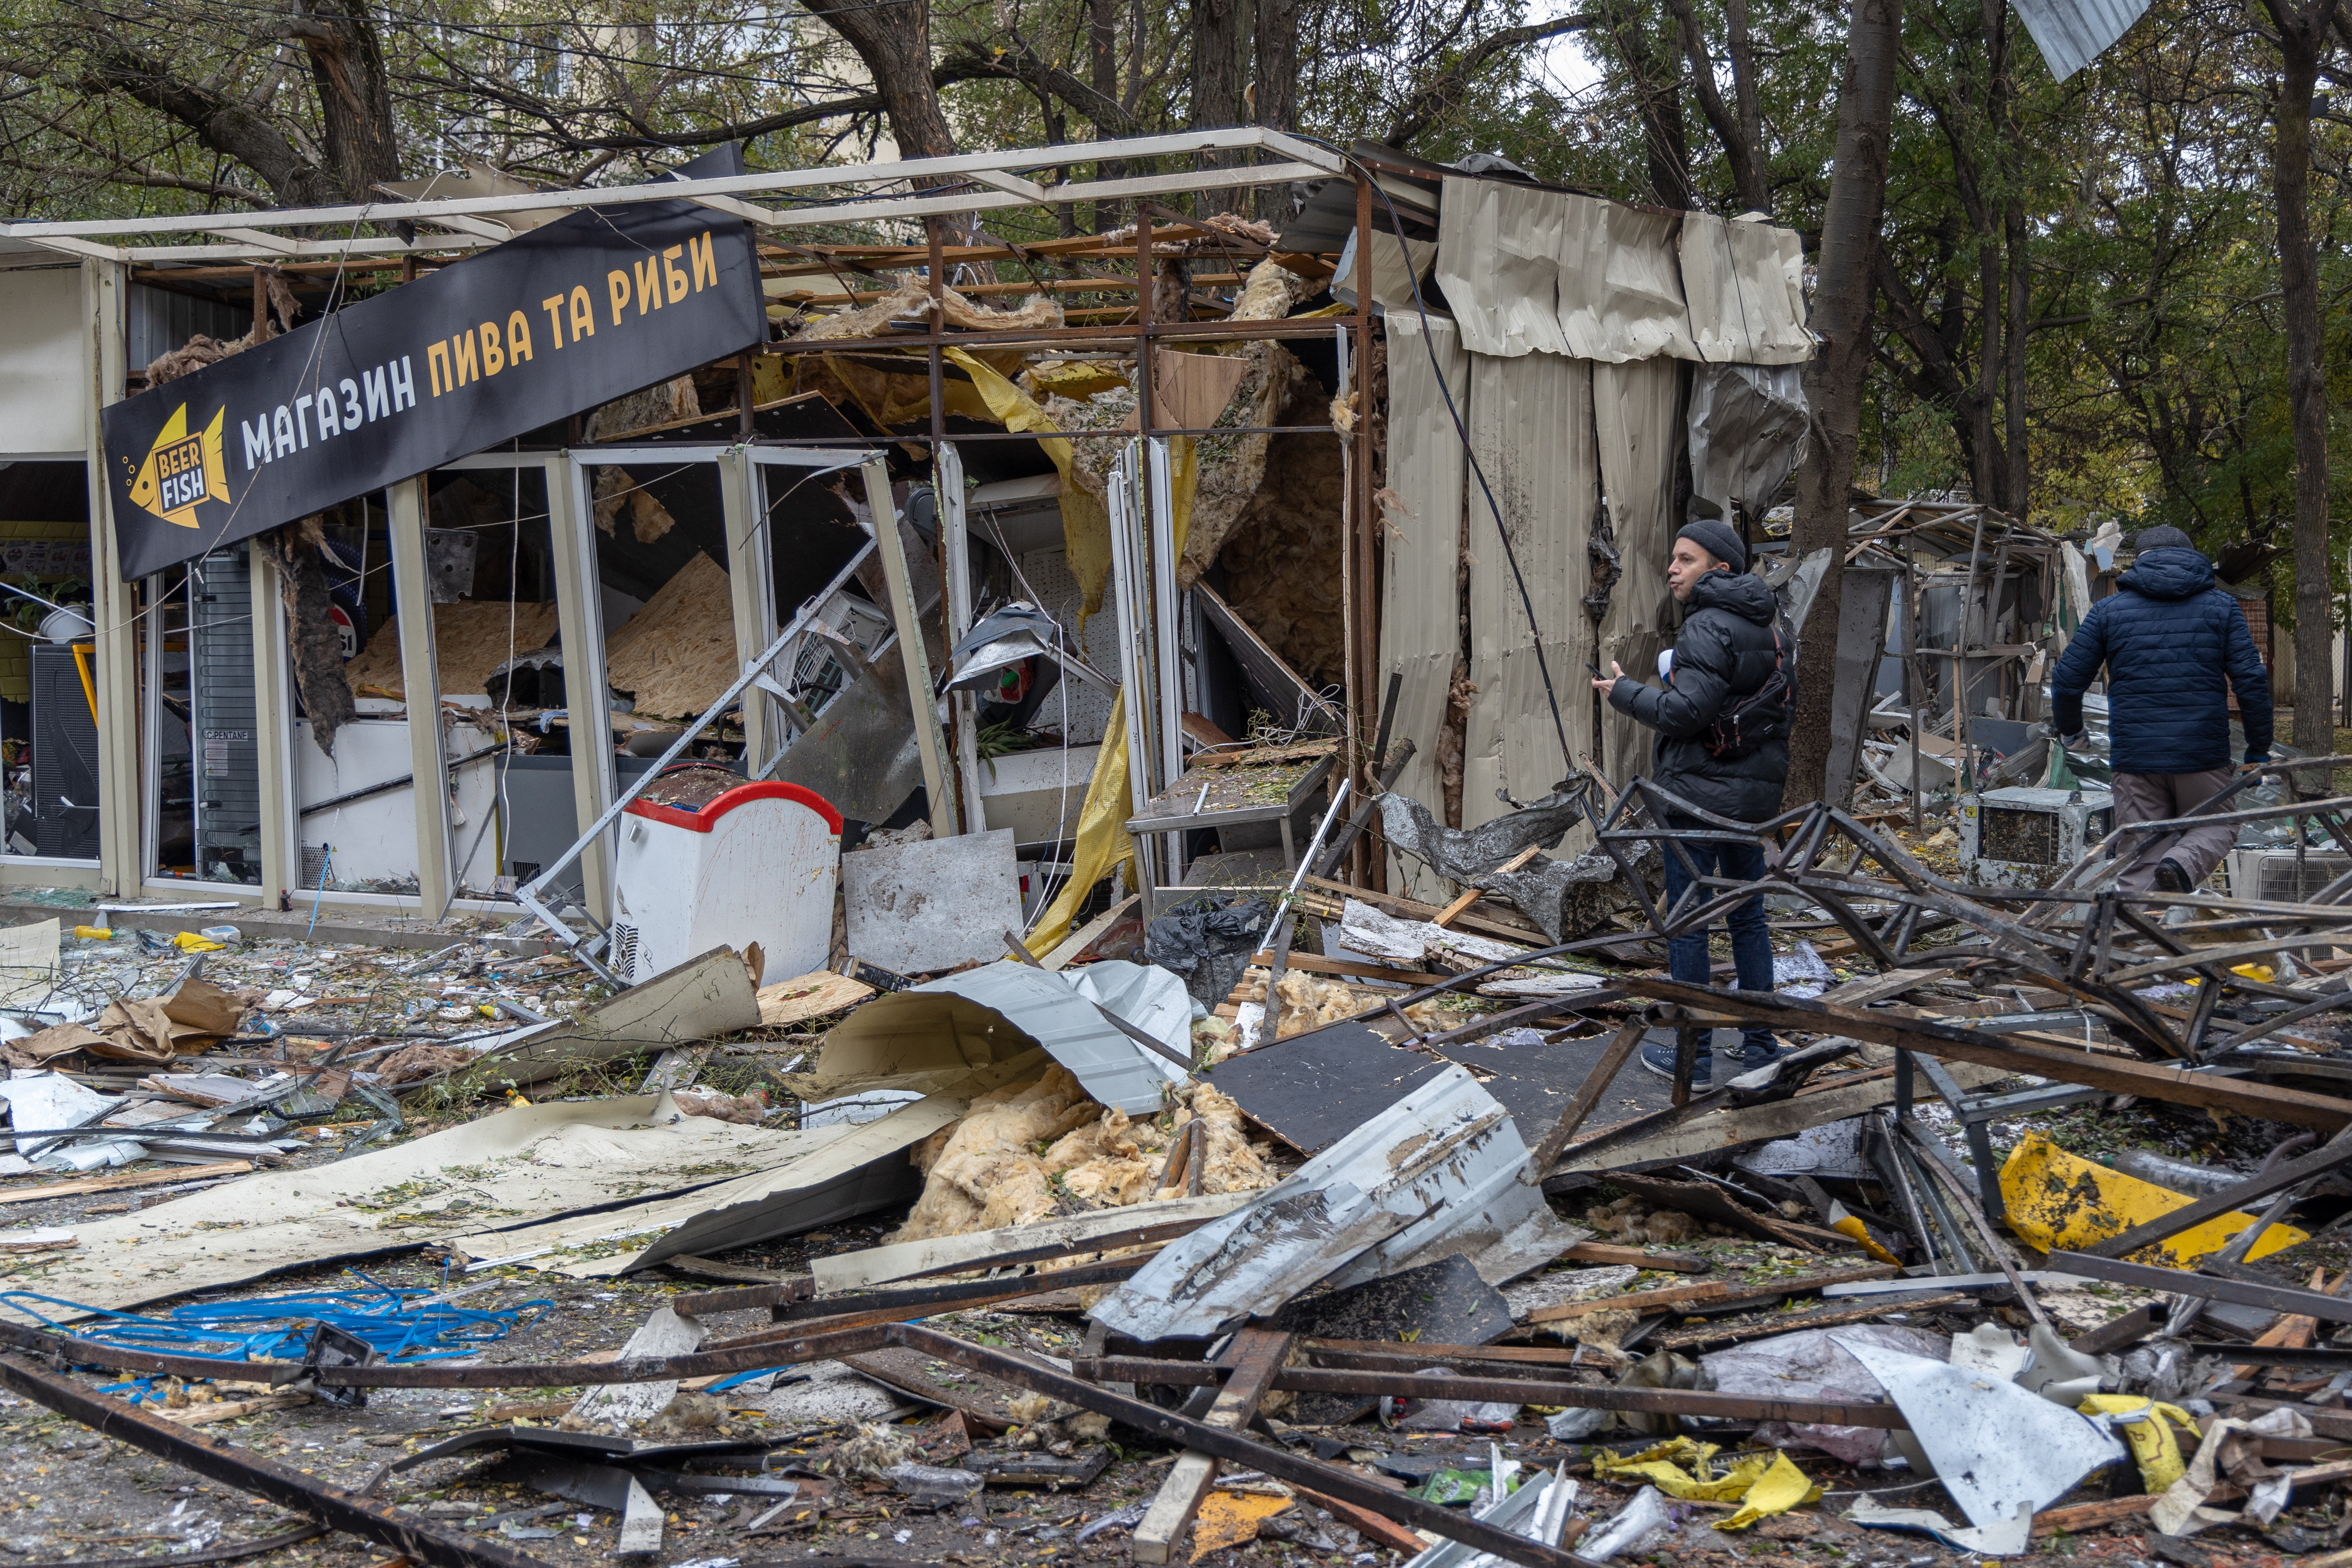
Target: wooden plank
[
  {"x": 1604, "y": 1254},
  {"x": 1416, "y": 910},
  {"x": 1710, "y": 1335},
  {"x": 2119, "y": 1075},
  {"x": 1256, "y": 1356},
  {"x": 117, "y": 1183},
  {"x": 1086, "y": 935},
  {"x": 2090, "y": 1515},
  {"x": 1316, "y": 962},
  {"x": 1445, "y": 916},
  {"x": 1104, "y": 1231},
  {"x": 1634, "y": 1301}
]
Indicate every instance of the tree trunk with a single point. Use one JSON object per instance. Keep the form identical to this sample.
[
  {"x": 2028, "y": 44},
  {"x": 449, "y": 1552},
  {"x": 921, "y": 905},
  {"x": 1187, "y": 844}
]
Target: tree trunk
[
  {"x": 1276, "y": 90},
  {"x": 894, "y": 43},
  {"x": 1736, "y": 125},
  {"x": 2021, "y": 303},
  {"x": 2301, "y": 39},
  {"x": 1836, "y": 376},
  {"x": 362, "y": 142},
  {"x": 1102, "y": 74}
]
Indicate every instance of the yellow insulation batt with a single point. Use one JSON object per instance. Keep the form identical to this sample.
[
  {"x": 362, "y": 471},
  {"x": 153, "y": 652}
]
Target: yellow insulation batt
[{"x": 1030, "y": 1152}]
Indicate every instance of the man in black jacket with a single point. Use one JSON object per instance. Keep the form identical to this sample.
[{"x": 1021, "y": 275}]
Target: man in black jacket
[
  {"x": 1728, "y": 649},
  {"x": 2174, "y": 646}
]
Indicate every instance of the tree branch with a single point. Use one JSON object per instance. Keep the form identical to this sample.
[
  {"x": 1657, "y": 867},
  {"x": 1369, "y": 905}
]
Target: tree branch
[{"x": 1426, "y": 103}]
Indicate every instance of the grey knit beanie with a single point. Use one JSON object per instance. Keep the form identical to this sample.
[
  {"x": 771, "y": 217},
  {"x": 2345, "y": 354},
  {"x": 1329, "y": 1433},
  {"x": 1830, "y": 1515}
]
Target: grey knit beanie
[{"x": 1715, "y": 536}]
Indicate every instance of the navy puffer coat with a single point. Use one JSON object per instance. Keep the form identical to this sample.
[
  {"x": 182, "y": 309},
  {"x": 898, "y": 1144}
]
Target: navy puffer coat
[
  {"x": 2169, "y": 639},
  {"x": 1724, "y": 652}
]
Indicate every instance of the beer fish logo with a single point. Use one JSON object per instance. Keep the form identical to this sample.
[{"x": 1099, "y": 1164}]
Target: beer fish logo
[{"x": 181, "y": 471}]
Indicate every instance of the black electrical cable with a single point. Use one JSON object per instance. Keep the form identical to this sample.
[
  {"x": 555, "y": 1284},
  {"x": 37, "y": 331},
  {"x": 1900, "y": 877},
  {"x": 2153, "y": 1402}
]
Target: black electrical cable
[{"x": 1462, "y": 432}]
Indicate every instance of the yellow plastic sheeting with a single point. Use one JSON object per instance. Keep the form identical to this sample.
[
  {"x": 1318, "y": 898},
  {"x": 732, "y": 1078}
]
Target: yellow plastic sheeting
[
  {"x": 1102, "y": 841},
  {"x": 1762, "y": 1484},
  {"x": 2056, "y": 1201},
  {"x": 2151, "y": 1439},
  {"x": 1231, "y": 1519}
]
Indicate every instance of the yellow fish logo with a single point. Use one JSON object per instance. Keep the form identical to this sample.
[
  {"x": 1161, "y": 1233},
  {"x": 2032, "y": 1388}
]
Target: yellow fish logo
[{"x": 183, "y": 471}]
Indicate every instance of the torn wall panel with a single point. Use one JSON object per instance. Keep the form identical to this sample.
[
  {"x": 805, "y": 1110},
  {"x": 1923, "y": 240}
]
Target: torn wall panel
[
  {"x": 1498, "y": 248},
  {"x": 1621, "y": 287},
  {"x": 1634, "y": 407},
  {"x": 1744, "y": 282},
  {"x": 1422, "y": 541},
  {"x": 1531, "y": 423}
]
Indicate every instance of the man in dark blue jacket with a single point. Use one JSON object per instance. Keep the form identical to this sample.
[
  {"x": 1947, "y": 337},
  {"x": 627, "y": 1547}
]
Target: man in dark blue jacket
[
  {"x": 1727, "y": 649},
  {"x": 2173, "y": 644}
]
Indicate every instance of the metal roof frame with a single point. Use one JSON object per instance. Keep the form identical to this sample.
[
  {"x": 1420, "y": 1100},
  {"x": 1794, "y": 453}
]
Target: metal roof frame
[{"x": 261, "y": 236}]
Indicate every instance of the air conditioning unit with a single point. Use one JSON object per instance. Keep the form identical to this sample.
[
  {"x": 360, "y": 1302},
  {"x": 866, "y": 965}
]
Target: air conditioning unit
[
  {"x": 708, "y": 860},
  {"x": 2024, "y": 836},
  {"x": 2271, "y": 875}
]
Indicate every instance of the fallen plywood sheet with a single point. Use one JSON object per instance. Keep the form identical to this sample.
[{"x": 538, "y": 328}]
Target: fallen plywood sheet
[
  {"x": 809, "y": 996},
  {"x": 914, "y": 908},
  {"x": 1714, "y": 1131},
  {"x": 986, "y": 1015},
  {"x": 1312, "y": 1090},
  {"x": 1437, "y": 1173},
  {"x": 1136, "y": 1224},
  {"x": 706, "y": 996},
  {"x": 848, "y": 1169},
  {"x": 677, "y": 654},
  {"x": 470, "y": 639},
  {"x": 518, "y": 1166}
]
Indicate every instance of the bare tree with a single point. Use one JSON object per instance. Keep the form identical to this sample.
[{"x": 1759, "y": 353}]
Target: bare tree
[{"x": 2303, "y": 32}]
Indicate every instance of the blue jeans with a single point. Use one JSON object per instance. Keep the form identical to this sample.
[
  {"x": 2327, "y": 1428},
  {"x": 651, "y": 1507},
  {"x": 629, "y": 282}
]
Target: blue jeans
[{"x": 1751, "y": 943}]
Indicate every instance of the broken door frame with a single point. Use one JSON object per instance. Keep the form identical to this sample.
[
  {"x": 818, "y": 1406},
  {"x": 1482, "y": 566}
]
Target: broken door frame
[{"x": 1140, "y": 502}]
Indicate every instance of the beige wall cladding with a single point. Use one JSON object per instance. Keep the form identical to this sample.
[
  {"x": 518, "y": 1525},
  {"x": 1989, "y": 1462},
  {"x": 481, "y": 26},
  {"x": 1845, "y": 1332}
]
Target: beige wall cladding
[
  {"x": 1419, "y": 607},
  {"x": 1529, "y": 271},
  {"x": 1621, "y": 283},
  {"x": 1531, "y": 425},
  {"x": 1745, "y": 285},
  {"x": 1634, "y": 407},
  {"x": 1498, "y": 253}
]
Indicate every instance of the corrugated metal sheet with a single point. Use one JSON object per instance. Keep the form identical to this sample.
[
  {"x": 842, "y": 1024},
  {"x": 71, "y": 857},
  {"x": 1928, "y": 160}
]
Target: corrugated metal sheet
[
  {"x": 2071, "y": 34},
  {"x": 1621, "y": 287},
  {"x": 990, "y": 1014},
  {"x": 1531, "y": 425},
  {"x": 1532, "y": 271},
  {"x": 1435, "y": 1174},
  {"x": 157, "y": 320},
  {"x": 1641, "y": 446},
  {"x": 1499, "y": 244},
  {"x": 1744, "y": 282},
  {"x": 1420, "y": 618}
]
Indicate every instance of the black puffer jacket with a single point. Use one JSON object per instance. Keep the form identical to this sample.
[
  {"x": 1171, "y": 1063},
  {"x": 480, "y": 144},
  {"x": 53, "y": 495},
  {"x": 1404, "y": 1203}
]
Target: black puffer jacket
[
  {"x": 1724, "y": 651},
  {"x": 2170, "y": 640}
]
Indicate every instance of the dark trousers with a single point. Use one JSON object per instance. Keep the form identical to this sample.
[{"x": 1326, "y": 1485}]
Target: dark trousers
[{"x": 1751, "y": 943}]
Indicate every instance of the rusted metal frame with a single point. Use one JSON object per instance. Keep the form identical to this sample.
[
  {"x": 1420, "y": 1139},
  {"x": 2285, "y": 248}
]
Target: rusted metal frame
[
  {"x": 2200, "y": 1019},
  {"x": 2078, "y": 962},
  {"x": 2117, "y": 1074},
  {"x": 1626, "y": 868},
  {"x": 2201, "y": 816},
  {"x": 1797, "y": 856},
  {"x": 2202, "y": 959},
  {"x": 409, "y": 1535},
  {"x": 1907, "y": 931},
  {"x": 1851, "y": 920},
  {"x": 916, "y": 1300},
  {"x": 1523, "y": 1390},
  {"x": 2328, "y": 1156},
  {"x": 1217, "y": 331},
  {"x": 1931, "y": 1156},
  {"x": 2272, "y": 1025},
  {"x": 1527, "y": 1013},
  {"x": 1218, "y": 1443},
  {"x": 2182, "y": 1282}
]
